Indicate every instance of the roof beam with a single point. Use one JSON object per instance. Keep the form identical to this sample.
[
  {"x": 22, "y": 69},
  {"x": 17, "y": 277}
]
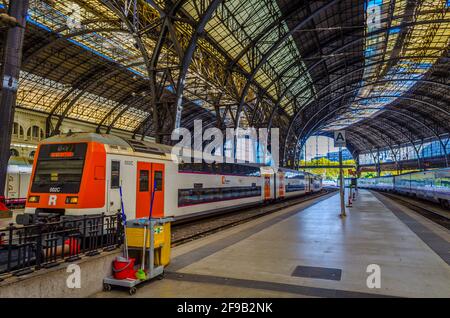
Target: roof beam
[
  {"x": 393, "y": 111},
  {"x": 98, "y": 75},
  {"x": 270, "y": 51},
  {"x": 187, "y": 58},
  {"x": 332, "y": 83},
  {"x": 354, "y": 89}
]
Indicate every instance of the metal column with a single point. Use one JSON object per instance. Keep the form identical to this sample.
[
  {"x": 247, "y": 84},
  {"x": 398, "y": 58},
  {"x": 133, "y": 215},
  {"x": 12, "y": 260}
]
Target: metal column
[
  {"x": 341, "y": 184},
  {"x": 11, "y": 61}
]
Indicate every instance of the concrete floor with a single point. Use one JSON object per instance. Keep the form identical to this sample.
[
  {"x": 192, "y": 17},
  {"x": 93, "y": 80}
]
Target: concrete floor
[
  {"x": 257, "y": 259},
  {"x": 6, "y": 221}
]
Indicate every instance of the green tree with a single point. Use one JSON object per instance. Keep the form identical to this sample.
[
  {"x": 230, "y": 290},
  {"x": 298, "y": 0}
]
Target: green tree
[{"x": 327, "y": 173}]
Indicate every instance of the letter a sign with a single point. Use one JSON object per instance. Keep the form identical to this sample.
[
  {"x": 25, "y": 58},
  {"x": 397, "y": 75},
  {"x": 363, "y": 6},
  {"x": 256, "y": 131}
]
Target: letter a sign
[{"x": 339, "y": 139}]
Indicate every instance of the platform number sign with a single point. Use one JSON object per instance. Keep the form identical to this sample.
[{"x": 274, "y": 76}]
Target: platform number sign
[{"x": 339, "y": 139}]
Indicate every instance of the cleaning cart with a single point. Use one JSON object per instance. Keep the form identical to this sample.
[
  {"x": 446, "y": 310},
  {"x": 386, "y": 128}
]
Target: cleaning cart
[{"x": 151, "y": 236}]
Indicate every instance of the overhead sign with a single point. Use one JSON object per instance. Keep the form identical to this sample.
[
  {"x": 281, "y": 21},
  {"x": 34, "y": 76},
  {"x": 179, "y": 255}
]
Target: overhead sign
[{"x": 339, "y": 139}]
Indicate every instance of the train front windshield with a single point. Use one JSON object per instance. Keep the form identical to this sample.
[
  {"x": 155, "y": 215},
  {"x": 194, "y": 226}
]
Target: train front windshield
[{"x": 59, "y": 168}]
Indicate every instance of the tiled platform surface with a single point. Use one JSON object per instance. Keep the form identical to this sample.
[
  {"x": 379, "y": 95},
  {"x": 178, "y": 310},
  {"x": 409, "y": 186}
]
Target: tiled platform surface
[
  {"x": 257, "y": 259},
  {"x": 4, "y": 222}
]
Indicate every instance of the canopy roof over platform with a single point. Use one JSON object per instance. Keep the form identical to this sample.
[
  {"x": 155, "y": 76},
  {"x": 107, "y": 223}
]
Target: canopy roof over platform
[{"x": 376, "y": 68}]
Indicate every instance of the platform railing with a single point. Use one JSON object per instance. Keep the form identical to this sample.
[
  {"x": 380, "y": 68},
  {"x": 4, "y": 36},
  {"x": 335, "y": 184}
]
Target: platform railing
[{"x": 24, "y": 249}]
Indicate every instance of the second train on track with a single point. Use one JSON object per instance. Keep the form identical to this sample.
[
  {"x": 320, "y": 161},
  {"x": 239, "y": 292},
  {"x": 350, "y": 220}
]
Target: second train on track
[{"x": 432, "y": 185}]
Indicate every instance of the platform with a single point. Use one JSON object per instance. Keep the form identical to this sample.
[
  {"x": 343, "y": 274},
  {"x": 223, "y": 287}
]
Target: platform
[
  {"x": 258, "y": 259},
  {"x": 6, "y": 221}
]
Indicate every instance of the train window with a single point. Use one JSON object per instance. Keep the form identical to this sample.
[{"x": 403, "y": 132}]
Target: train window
[
  {"x": 187, "y": 166},
  {"x": 143, "y": 180},
  {"x": 209, "y": 167},
  {"x": 206, "y": 195},
  {"x": 158, "y": 176},
  {"x": 65, "y": 175},
  {"x": 220, "y": 168},
  {"x": 227, "y": 168},
  {"x": 115, "y": 174},
  {"x": 197, "y": 167}
]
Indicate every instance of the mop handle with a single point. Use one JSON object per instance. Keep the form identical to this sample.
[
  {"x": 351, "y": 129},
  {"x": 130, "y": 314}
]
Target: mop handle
[
  {"x": 124, "y": 222},
  {"x": 144, "y": 247},
  {"x": 124, "y": 218},
  {"x": 151, "y": 201},
  {"x": 149, "y": 226}
]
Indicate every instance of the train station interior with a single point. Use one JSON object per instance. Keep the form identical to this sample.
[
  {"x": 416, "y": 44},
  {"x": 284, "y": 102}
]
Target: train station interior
[{"x": 244, "y": 149}]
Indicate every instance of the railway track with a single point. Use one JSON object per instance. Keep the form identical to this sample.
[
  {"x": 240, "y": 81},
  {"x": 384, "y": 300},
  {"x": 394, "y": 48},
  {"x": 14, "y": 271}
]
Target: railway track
[
  {"x": 196, "y": 228},
  {"x": 420, "y": 207}
]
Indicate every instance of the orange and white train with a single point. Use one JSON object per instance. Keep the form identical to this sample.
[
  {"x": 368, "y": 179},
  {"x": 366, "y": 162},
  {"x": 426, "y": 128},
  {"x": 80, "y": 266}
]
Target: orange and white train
[{"x": 80, "y": 174}]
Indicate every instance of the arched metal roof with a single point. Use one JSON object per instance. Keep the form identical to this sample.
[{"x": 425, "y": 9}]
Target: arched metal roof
[{"x": 306, "y": 67}]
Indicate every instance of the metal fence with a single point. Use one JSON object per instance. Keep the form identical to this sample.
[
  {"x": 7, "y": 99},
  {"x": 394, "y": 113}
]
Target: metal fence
[{"x": 24, "y": 249}]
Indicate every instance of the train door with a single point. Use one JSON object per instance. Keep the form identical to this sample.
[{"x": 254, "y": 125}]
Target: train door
[
  {"x": 275, "y": 190},
  {"x": 308, "y": 180},
  {"x": 143, "y": 191},
  {"x": 281, "y": 186},
  {"x": 158, "y": 187},
  {"x": 150, "y": 176},
  {"x": 266, "y": 187}
]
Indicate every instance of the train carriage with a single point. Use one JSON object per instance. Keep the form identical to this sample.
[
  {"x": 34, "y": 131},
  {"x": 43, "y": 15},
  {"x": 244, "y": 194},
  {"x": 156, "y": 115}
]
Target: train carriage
[
  {"x": 432, "y": 185},
  {"x": 442, "y": 187},
  {"x": 17, "y": 181},
  {"x": 295, "y": 182},
  {"x": 385, "y": 183},
  {"x": 368, "y": 183},
  {"x": 316, "y": 183},
  {"x": 402, "y": 183}
]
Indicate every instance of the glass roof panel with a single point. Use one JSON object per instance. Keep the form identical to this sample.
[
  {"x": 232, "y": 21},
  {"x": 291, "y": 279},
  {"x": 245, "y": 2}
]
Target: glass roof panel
[
  {"x": 397, "y": 58},
  {"x": 38, "y": 93},
  {"x": 131, "y": 119}
]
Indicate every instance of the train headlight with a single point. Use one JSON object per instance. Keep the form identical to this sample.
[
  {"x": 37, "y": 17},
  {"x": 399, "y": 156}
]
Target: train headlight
[
  {"x": 71, "y": 200},
  {"x": 33, "y": 199}
]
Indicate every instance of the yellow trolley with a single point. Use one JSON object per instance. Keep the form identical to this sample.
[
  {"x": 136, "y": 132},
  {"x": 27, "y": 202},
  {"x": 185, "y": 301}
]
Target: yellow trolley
[{"x": 157, "y": 250}]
